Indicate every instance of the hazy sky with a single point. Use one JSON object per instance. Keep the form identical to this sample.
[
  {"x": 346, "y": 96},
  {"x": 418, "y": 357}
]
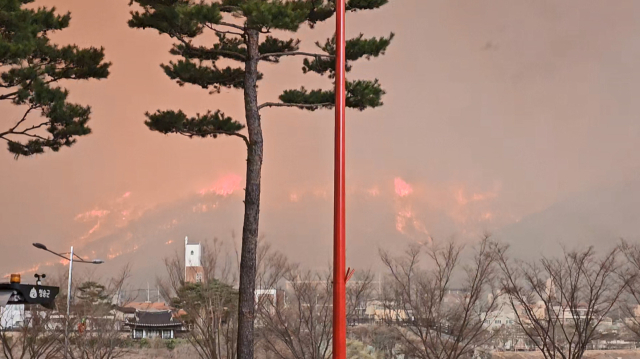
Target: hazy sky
[{"x": 495, "y": 110}]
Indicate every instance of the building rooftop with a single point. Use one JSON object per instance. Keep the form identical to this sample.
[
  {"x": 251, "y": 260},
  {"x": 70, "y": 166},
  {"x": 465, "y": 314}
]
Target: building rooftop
[
  {"x": 145, "y": 306},
  {"x": 153, "y": 319}
]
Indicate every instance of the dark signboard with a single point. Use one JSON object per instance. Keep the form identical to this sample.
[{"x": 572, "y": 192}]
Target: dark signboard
[{"x": 15, "y": 293}]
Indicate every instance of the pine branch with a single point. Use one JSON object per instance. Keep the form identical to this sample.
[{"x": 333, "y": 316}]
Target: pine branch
[
  {"x": 185, "y": 71},
  {"x": 229, "y": 8},
  {"x": 355, "y": 49},
  {"x": 220, "y": 32},
  {"x": 222, "y": 23},
  {"x": 360, "y": 94},
  {"x": 192, "y": 134},
  {"x": 210, "y": 124},
  {"x": 24, "y": 118},
  {"x": 206, "y": 53},
  {"x": 298, "y": 105},
  {"x": 295, "y": 53}
]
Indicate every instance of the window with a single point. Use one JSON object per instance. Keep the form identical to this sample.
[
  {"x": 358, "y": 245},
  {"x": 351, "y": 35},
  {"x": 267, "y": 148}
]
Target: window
[
  {"x": 137, "y": 334},
  {"x": 166, "y": 334},
  {"x": 198, "y": 277},
  {"x": 191, "y": 252}
]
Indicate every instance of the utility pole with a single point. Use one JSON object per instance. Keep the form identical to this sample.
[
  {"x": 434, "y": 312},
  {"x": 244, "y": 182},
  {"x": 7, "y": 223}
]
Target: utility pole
[
  {"x": 70, "y": 259},
  {"x": 66, "y": 327}
]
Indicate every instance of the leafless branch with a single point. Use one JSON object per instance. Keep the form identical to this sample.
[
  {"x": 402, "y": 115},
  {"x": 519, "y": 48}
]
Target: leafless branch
[
  {"x": 560, "y": 302},
  {"x": 433, "y": 318}
]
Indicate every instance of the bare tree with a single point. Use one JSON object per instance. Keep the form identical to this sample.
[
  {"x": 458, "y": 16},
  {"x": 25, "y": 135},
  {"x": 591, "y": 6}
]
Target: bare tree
[
  {"x": 96, "y": 324},
  {"x": 36, "y": 338},
  {"x": 434, "y": 318},
  {"x": 294, "y": 306},
  {"x": 273, "y": 267},
  {"x": 300, "y": 328},
  {"x": 359, "y": 294},
  {"x": 383, "y": 338},
  {"x": 559, "y": 302},
  {"x": 631, "y": 306},
  {"x": 208, "y": 308}
]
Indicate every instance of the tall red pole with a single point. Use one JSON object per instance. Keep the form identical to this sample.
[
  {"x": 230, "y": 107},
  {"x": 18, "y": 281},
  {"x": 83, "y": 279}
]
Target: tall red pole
[{"x": 339, "y": 270}]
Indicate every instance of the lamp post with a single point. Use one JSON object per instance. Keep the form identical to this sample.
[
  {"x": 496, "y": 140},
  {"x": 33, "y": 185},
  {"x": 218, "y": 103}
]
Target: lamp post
[
  {"x": 70, "y": 259},
  {"x": 339, "y": 272}
]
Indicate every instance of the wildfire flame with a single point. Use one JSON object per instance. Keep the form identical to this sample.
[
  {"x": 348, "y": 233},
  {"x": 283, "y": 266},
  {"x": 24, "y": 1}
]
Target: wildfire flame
[
  {"x": 225, "y": 186},
  {"x": 96, "y": 213},
  {"x": 403, "y": 189},
  {"x": 406, "y": 221}
]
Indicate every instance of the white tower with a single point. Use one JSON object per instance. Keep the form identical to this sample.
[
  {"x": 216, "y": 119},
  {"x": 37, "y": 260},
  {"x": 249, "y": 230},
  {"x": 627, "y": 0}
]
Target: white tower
[{"x": 192, "y": 262}]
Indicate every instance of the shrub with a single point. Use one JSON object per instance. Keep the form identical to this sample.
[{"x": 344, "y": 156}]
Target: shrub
[
  {"x": 170, "y": 344},
  {"x": 144, "y": 343}
]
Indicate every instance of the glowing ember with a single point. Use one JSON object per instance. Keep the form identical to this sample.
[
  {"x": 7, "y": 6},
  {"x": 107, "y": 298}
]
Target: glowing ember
[
  {"x": 403, "y": 189},
  {"x": 168, "y": 242},
  {"x": 224, "y": 186}
]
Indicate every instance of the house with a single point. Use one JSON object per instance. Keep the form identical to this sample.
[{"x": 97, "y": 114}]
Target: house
[
  {"x": 497, "y": 319},
  {"x": 153, "y": 324},
  {"x": 128, "y": 311},
  {"x": 379, "y": 311}
]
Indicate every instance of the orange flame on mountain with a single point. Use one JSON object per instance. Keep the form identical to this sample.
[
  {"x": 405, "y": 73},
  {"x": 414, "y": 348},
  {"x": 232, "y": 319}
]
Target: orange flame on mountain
[
  {"x": 96, "y": 213},
  {"x": 403, "y": 189},
  {"x": 406, "y": 221},
  {"x": 225, "y": 186}
]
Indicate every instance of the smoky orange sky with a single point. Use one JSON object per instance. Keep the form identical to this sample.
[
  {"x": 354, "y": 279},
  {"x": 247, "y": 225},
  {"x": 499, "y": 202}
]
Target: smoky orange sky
[{"x": 496, "y": 112}]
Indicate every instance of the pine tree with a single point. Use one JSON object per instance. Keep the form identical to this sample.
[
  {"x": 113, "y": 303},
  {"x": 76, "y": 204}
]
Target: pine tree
[
  {"x": 30, "y": 65},
  {"x": 244, "y": 35}
]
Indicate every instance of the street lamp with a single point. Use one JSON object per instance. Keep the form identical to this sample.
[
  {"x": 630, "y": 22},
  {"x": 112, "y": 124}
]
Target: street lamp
[{"x": 70, "y": 259}]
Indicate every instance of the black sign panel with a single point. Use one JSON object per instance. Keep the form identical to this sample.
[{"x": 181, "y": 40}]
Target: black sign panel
[{"x": 29, "y": 294}]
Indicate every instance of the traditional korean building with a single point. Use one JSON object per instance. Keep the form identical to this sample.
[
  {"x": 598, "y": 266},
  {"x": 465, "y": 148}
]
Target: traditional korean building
[{"x": 153, "y": 324}]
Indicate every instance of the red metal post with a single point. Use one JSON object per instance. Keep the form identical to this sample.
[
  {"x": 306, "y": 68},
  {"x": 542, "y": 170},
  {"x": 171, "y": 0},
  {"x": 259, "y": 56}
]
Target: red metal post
[{"x": 339, "y": 273}]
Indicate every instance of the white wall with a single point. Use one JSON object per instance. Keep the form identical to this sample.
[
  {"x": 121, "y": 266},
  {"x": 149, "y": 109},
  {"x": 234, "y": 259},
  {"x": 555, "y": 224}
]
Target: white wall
[
  {"x": 192, "y": 260},
  {"x": 11, "y": 316}
]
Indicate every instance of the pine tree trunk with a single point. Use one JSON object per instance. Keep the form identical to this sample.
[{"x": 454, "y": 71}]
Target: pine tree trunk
[{"x": 246, "y": 308}]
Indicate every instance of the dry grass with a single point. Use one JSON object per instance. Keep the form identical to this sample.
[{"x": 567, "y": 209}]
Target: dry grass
[{"x": 590, "y": 354}]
